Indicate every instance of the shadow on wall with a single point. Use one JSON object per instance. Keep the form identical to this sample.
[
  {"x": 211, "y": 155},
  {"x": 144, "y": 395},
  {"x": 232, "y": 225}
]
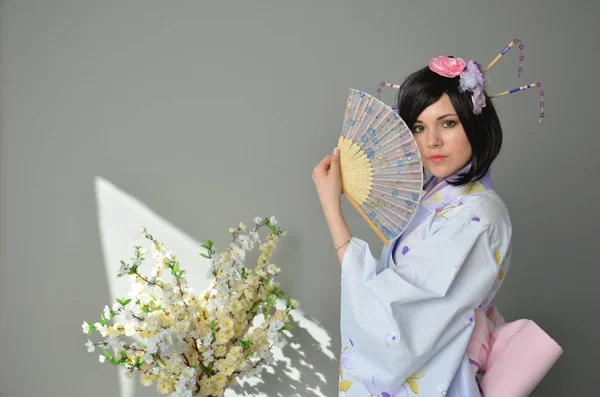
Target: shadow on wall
[{"x": 297, "y": 366}]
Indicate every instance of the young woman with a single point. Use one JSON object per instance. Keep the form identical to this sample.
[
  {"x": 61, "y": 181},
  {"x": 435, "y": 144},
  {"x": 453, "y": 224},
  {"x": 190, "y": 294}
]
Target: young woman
[{"x": 407, "y": 318}]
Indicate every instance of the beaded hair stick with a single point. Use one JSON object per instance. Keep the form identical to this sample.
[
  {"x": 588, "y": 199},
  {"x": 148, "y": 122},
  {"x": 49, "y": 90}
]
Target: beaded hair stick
[{"x": 512, "y": 91}]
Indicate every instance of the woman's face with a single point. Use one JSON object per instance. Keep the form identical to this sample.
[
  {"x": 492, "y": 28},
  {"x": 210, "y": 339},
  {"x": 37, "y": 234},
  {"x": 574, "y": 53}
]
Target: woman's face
[{"x": 442, "y": 141}]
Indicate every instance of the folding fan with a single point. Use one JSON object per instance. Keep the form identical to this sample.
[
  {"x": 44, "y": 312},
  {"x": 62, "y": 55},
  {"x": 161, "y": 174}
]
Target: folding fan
[{"x": 380, "y": 164}]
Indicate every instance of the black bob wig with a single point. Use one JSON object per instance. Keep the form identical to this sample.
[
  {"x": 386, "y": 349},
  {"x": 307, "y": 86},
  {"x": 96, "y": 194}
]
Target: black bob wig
[{"x": 424, "y": 87}]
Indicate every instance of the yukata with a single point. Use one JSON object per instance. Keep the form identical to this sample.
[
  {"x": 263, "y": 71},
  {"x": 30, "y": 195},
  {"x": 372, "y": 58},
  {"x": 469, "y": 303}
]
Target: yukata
[{"x": 406, "y": 319}]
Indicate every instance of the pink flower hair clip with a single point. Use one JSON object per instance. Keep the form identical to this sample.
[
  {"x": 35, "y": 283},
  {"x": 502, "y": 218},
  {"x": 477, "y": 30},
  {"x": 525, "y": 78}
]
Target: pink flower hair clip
[{"x": 471, "y": 77}]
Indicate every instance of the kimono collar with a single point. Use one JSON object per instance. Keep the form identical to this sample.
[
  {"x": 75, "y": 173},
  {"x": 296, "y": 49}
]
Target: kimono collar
[
  {"x": 434, "y": 197},
  {"x": 436, "y": 194}
]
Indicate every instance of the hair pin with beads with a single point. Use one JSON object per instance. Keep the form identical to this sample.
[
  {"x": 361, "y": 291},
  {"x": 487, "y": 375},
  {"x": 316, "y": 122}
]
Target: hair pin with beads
[
  {"x": 523, "y": 88},
  {"x": 472, "y": 77},
  {"x": 520, "y": 69},
  {"x": 504, "y": 51}
]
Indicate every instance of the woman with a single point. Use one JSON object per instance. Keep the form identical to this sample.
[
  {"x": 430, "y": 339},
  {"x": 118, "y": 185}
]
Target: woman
[{"x": 406, "y": 319}]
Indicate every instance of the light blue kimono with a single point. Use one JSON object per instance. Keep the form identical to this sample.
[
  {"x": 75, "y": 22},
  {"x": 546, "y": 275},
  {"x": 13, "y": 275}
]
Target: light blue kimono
[{"x": 406, "y": 319}]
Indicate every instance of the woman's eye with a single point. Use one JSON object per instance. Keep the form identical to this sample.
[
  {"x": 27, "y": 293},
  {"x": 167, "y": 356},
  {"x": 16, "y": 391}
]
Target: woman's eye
[
  {"x": 449, "y": 123},
  {"x": 418, "y": 128}
]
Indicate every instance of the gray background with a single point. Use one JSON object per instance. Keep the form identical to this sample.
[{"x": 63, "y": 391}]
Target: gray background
[{"x": 215, "y": 112}]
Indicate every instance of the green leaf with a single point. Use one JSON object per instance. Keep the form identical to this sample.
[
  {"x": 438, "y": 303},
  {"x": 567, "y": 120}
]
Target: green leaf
[
  {"x": 114, "y": 361},
  {"x": 268, "y": 307},
  {"x": 102, "y": 320},
  {"x": 205, "y": 256},
  {"x": 288, "y": 327},
  {"x": 107, "y": 354},
  {"x": 126, "y": 302},
  {"x": 208, "y": 370},
  {"x": 245, "y": 344},
  {"x": 271, "y": 227},
  {"x": 254, "y": 305}
]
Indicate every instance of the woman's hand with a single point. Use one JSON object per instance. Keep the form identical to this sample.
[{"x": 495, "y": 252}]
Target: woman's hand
[{"x": 328, "y": 181}]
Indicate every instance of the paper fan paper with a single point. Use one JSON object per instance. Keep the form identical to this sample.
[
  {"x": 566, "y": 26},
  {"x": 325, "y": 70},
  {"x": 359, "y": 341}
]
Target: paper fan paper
[{"x": 380, "y": 164}]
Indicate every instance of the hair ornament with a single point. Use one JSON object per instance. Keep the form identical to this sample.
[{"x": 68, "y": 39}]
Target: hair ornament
[{"x": 472, "y": 77}]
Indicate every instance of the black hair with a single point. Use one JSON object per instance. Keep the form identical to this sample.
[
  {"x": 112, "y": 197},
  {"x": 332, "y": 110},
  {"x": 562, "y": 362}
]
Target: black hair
[{"x": 424, "y": 87}]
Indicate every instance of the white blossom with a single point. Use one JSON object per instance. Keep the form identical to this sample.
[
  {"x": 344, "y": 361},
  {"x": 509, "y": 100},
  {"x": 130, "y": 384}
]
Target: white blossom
[
  {"x": 238, "y": 254},
  {"x": 273, "y": 269},
  {"x": 90, "y": 346},
  {"x": 166, "y": 323},
  {"x": 246, "y": 243},
  {"x": 102, "y": 329},
  {"x": 124, "y": 269},
  {"x": 126, "y": 315},
  {"x": 276, "y": 325},
  {"x": 130, "y": 329},
  {"x": 116, "y": 345}
]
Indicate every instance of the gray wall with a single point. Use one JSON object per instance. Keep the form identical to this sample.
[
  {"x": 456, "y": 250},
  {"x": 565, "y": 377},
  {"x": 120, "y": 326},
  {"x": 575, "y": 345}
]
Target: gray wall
[{"x": 209, "y": 113}]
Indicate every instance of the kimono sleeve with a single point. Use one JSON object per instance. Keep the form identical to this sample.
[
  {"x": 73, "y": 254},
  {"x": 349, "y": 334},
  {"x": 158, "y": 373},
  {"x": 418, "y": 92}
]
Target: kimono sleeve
[{"x": 428, "y": 298}]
